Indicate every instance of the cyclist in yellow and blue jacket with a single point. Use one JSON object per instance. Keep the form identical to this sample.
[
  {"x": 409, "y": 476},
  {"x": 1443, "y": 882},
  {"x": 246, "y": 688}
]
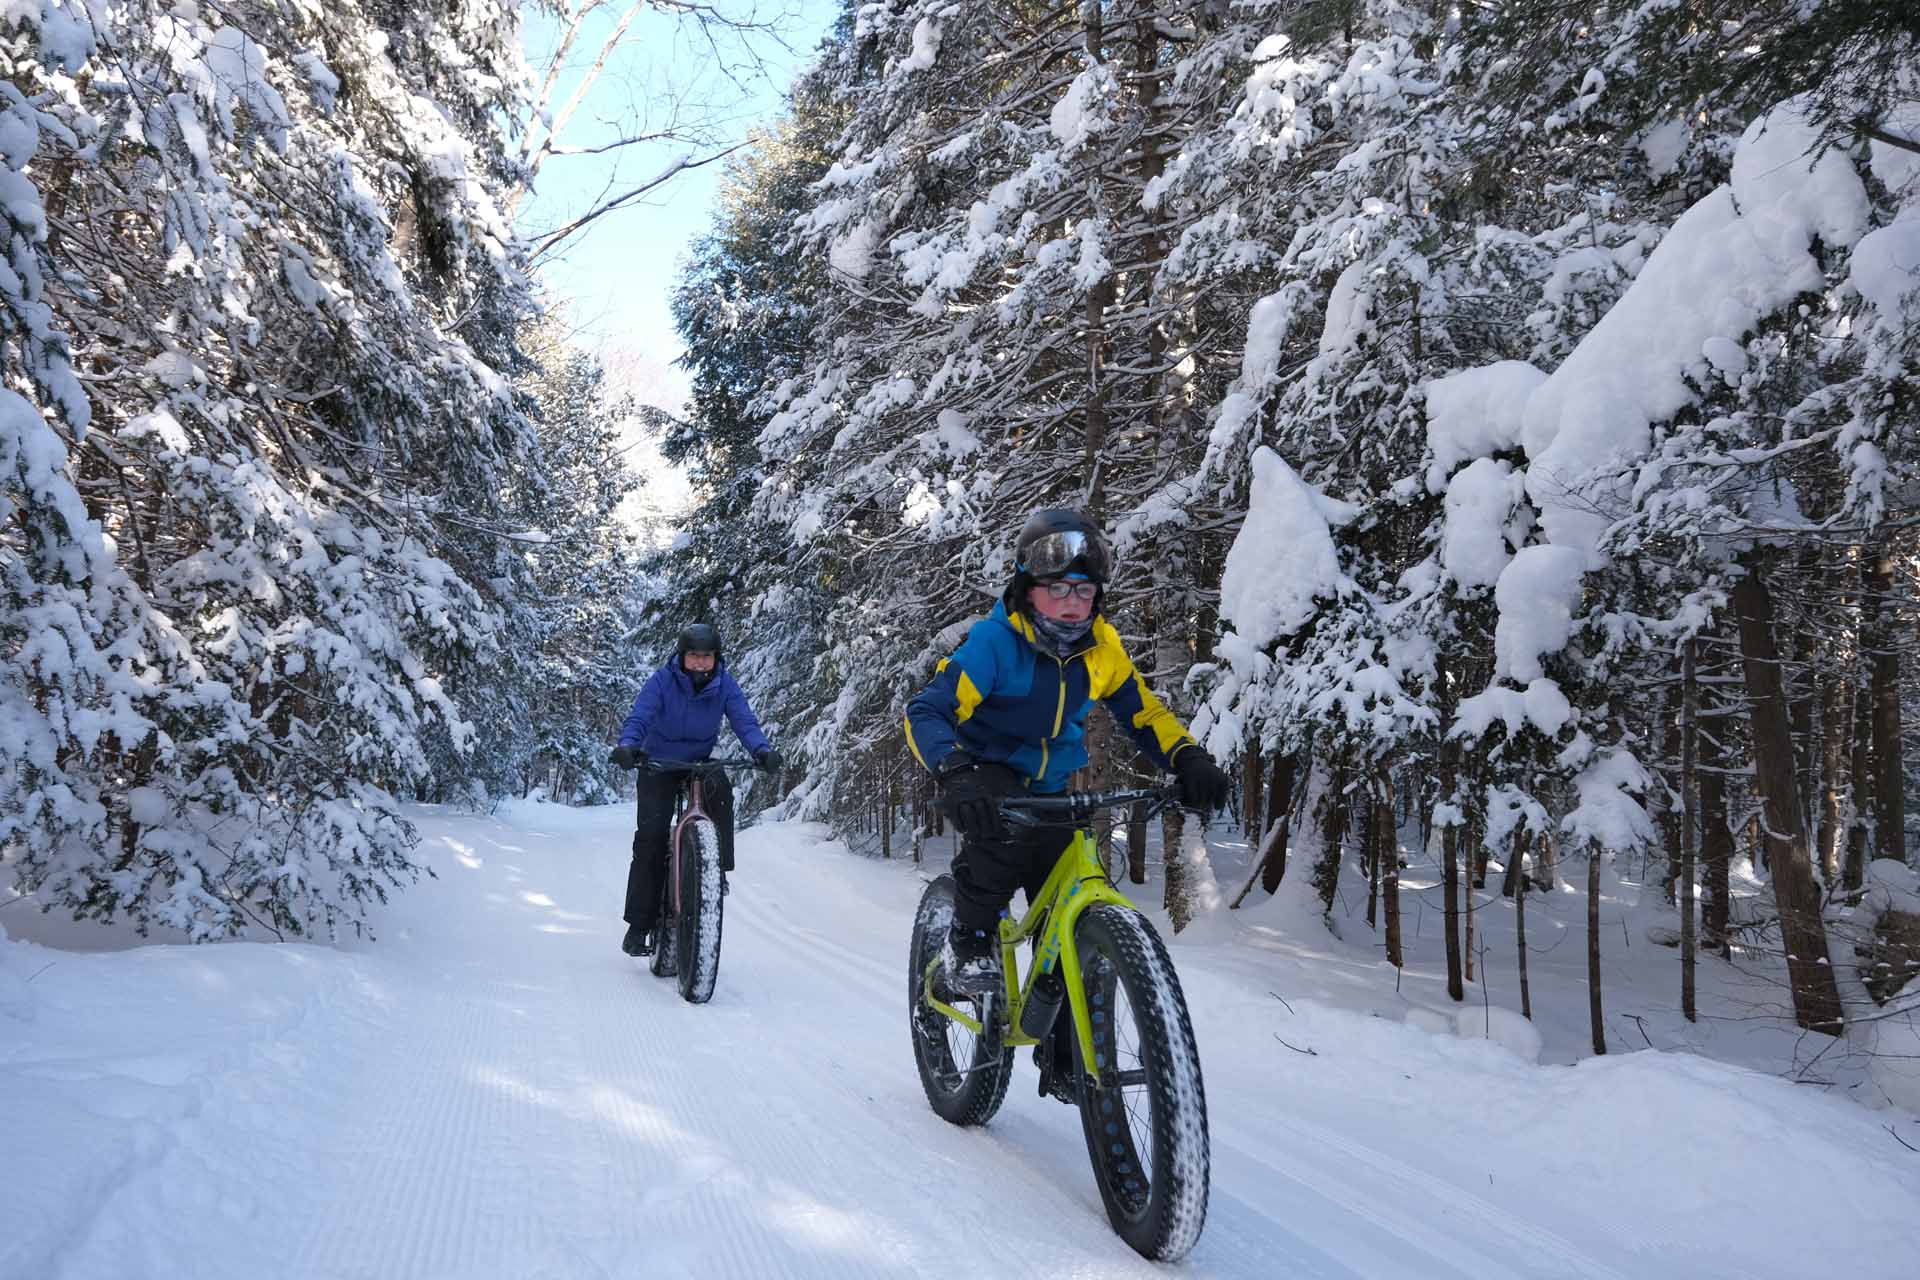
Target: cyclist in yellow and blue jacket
[{"x": 1007, "y": 714}]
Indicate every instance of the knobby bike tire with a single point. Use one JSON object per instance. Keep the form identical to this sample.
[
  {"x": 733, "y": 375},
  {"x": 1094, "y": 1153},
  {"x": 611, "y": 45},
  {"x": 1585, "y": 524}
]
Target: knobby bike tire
[
  {"x": 697, "y": 932},
  {"x": 965, "y": 1076},
  {"x": 1146, "y": 1130}
]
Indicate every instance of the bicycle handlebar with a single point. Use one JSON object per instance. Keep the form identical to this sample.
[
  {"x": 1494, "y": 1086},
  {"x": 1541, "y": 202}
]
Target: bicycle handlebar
[
  {"x": 655, "y": 765},
  {"x": 1081, "y": 805}
]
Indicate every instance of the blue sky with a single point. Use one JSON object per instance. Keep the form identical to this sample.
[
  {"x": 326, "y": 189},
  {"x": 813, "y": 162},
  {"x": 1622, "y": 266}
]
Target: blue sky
[{"x": 616, "y": 275}]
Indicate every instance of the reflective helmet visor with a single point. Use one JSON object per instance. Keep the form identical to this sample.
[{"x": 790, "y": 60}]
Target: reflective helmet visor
[{"x": 1052, "y": 554}]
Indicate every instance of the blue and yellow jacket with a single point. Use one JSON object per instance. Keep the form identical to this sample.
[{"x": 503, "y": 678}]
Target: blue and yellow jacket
[{"x": 1004, "y": 699}]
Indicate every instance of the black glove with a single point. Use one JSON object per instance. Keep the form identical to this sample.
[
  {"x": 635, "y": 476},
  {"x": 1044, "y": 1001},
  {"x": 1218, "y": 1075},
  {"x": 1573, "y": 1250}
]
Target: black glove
[
  {"x": 767, "y": 761},
  {"x": 628, "y": 757},
  {"x": 970, "y": 796},
  {"x": 1203, "y": 784}
]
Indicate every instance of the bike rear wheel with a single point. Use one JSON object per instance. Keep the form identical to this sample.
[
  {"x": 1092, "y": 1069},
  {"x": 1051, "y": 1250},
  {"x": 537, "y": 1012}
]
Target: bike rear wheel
[
  {"x": 697, "y": 930},
  {"x": 665, "y": 961},
  {"x": 1146, "y": 1120},
  {"x": 965, "y": 1074}
]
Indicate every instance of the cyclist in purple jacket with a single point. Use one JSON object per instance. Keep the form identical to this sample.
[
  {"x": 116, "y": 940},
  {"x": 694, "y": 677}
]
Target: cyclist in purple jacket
[{"x": 677, "y": 718}]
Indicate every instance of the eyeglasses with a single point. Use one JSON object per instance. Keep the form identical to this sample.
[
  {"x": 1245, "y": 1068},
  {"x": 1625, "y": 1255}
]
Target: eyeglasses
[
  {"x": 1055, "y": 553},
  {"x": 1078, "y": 590}
]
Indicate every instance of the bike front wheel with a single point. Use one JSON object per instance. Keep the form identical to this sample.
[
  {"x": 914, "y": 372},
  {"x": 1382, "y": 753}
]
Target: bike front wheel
[
  {"x": 964, "y": 1073},
  {"x": 696, "y": 940},
  {"x": 1142, "y": 1104}
]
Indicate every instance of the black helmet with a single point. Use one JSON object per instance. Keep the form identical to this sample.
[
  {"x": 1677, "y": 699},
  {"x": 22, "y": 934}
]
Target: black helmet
[
  {"x": 700, "y": 637},
  {"x": 1060, "y": 540}
]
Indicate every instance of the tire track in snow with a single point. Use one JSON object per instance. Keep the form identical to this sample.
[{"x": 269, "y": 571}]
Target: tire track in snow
[
  {"x": 1376, "y": 1188},
  {"x": 1034, "y": 1142}
]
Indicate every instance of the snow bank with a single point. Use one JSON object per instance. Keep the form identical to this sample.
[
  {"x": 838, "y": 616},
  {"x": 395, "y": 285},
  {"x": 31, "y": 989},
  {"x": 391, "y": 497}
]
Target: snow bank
[
  {"x": 1501, "y": 1026},
  {"x": 1890, "y": 1034}
]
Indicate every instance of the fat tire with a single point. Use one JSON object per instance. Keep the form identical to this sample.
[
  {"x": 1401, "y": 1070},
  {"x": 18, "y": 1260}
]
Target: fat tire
[
  {"x": 960, "y": 1092},
  {"x": 1159, "y": 1205},
  {"x": 697, "y": 931}
]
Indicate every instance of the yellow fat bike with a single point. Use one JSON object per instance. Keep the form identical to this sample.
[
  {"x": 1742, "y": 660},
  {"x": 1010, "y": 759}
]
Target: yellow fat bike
[{"x": 1121, "y": 1048}]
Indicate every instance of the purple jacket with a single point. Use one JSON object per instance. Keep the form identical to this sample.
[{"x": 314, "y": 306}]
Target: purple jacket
[{"x": 670, "y": 720}]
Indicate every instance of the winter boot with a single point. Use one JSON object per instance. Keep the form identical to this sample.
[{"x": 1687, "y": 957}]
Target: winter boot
[
  {"x": 638, "y": 942},
  {"x": 970, "y": 962}
]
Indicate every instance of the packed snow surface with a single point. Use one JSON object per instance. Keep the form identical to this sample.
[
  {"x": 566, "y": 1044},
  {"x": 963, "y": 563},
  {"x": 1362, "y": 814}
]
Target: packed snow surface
[{"x": 492, "y": 1090}]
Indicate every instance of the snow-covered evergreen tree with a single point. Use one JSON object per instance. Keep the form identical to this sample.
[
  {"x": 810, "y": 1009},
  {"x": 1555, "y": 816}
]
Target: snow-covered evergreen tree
[{"x": 261, "y": 309}]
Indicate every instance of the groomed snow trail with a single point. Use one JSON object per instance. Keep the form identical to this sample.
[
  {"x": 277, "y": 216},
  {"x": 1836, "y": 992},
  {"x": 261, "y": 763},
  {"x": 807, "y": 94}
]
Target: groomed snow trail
[{"x": 493, "y": 1090}]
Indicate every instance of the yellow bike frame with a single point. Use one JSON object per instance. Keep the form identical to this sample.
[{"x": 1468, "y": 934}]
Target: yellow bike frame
[{"x": 1076, "y": 883}]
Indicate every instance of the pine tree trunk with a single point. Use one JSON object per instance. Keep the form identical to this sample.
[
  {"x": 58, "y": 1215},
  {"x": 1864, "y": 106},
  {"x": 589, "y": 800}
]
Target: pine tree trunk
[
  {"x": 1520, "y": 921},
  {"x": 1797, "y": 676},
  {"x": 1386, "y": 857},
  {"x": 1333, "y": 831},
  {"x": 1860, "y": 779},
  {"x": 1449, "y": 793},
  {"x": 1545, "y": 877},
  {"x": 886, "y": 817},
  {"x": 1474, "y": 837},
  {"x": 1670, "y": 803},
  {"x": 1099, "y": 735},
  {"x": 1688, "y": 707},
  {"x": 1889, "y": 789},
  {"x": 1594, "y": 1015},
  {"x": 1252, "y": 808},
  {"x": 1716, "y": 842},
  {"x": 1098, "y": 299},
  {"x": 1280, "y": 803},
  {"x": 1466, "y": 924},
  {"x": 1137, "y": 845},
  {"x": 1816, "y": 997},
  {"x": 1176, "y": 898},
  {"x": 1370, "y": 854}
]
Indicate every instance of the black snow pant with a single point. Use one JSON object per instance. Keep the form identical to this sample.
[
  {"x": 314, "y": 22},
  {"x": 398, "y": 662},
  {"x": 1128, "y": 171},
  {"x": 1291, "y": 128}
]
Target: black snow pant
[
  {"x": 986, "y": 872},
  {"x": 653, "y": 825}
]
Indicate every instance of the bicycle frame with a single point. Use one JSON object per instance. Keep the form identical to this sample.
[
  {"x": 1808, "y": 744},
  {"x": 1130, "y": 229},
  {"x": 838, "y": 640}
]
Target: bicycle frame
[
  {"x": 1076, "y": 883},
  {"x": 690, "y": 808}
]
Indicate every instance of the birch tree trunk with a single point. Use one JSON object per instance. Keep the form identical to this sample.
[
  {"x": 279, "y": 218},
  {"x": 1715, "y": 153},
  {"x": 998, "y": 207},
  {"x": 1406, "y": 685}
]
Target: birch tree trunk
[{"x": 1835, "y": 734}]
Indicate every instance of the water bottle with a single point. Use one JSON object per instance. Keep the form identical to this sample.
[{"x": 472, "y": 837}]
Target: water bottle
[{"x": 1043, "y": 1005}]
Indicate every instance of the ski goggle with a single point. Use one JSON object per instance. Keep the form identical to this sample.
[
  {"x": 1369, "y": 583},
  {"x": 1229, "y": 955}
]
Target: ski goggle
[{"x": 1052, "y": 554}]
